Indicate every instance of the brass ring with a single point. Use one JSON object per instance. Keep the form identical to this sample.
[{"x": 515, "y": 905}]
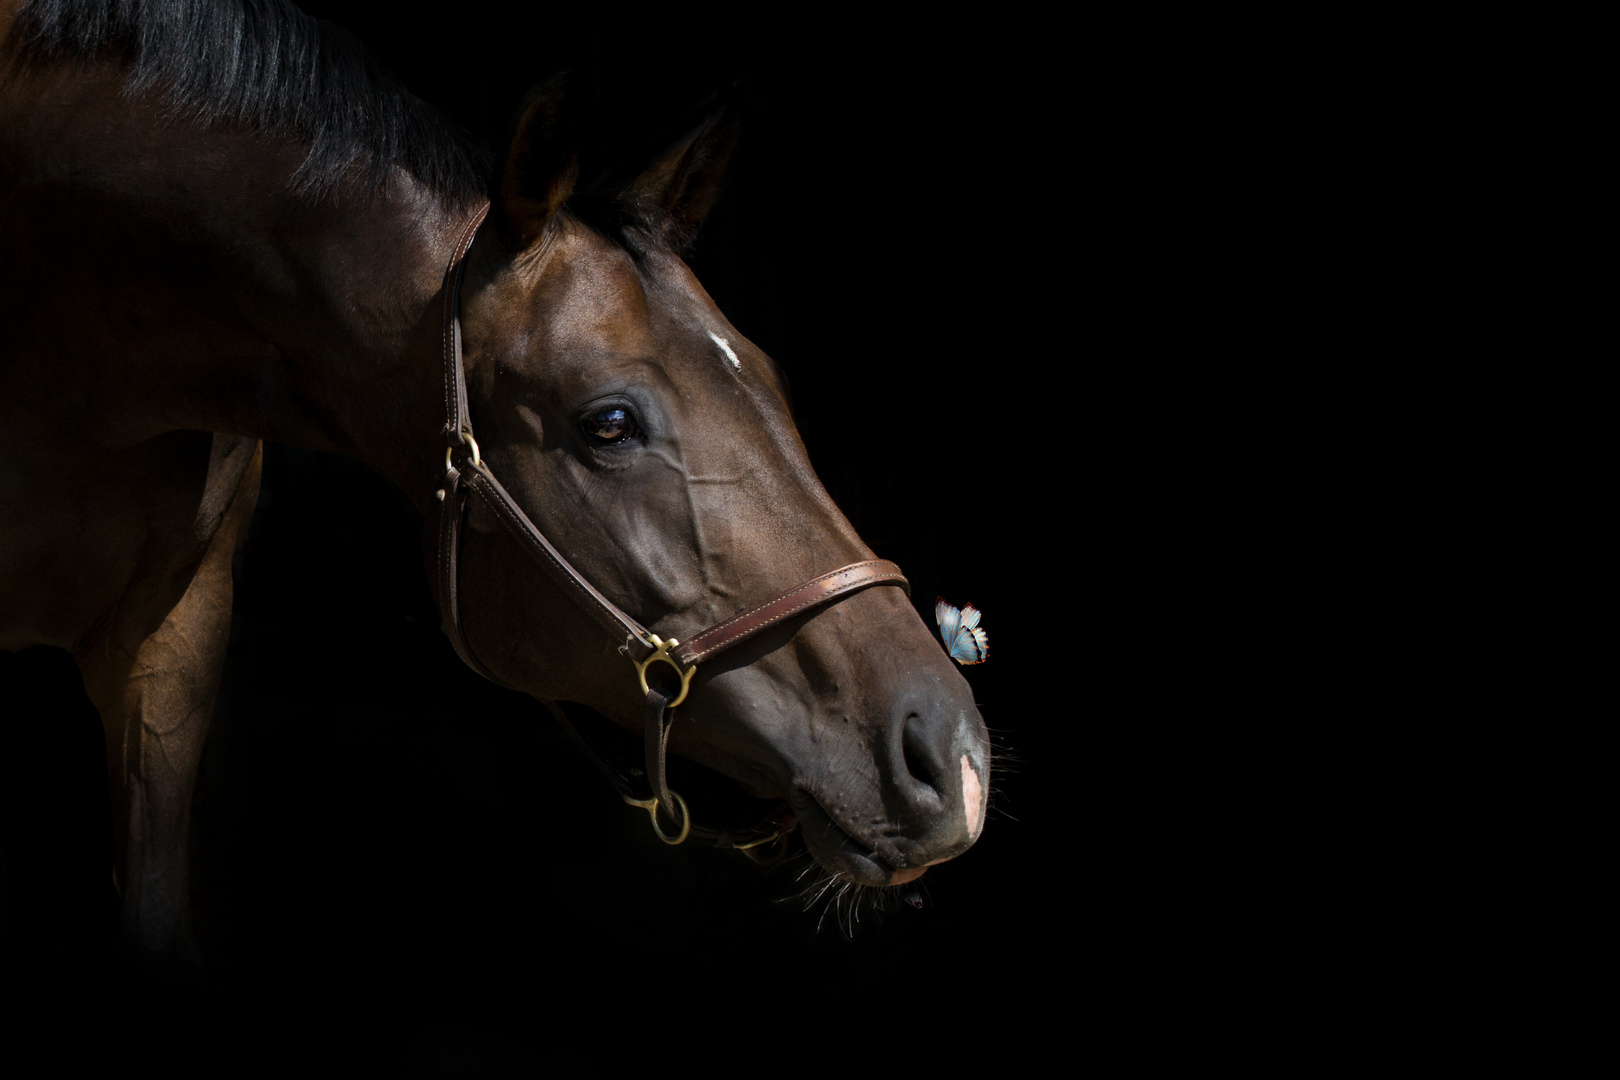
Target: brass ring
[
  {"x": 468, "y": 440},
  {"x": 661, "y": 652},
  {"x": 651, "y": 806}
]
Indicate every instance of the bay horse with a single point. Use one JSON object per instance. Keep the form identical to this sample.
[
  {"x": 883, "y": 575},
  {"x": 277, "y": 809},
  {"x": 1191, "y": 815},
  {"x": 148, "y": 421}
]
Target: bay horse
[{"x": 224, "y": 225}]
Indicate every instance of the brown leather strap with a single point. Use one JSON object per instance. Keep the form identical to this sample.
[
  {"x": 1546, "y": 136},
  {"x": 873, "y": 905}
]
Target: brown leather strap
[
  {"x": 630, "y": 634},
  {"x": 456, "y": 419},
  {"x": 451, "y": 510},
  {"x": 474, "y": 477},
  {"x": 452, "y": 497},
  {"x": 813, "y": 593},
  {"x": 656, "y": 722}
]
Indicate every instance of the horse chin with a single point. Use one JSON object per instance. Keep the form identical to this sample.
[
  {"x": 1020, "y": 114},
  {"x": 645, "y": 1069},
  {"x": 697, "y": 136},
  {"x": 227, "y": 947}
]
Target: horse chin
[{"x": 834, "y": 849}]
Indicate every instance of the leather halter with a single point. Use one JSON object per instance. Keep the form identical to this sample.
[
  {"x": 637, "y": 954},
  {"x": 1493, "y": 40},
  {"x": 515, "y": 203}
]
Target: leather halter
[{"x": 466, "y": 474}]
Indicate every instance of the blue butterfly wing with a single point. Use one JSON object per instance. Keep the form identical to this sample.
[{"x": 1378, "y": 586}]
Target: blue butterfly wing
[
  {"x": 948, "y": 618},
  {"x": 970, "y": 647},
  {"x": 965, "y": 642}
]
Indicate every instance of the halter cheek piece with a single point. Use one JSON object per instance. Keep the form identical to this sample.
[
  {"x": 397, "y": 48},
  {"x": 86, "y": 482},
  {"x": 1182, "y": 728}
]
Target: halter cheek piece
[{"x": 466, "y": 474}]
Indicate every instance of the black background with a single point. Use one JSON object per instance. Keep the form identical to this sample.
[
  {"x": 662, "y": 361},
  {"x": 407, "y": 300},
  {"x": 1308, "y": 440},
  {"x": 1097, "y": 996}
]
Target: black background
[{"x": 393, "y": 860}]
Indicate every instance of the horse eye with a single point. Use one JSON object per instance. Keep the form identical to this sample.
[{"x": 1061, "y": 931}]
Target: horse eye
[{"x": 611, "y": 425}]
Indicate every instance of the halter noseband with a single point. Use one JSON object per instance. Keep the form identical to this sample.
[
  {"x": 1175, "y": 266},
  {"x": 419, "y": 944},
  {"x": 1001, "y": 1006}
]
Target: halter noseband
[{"x": 639, "y": 645}]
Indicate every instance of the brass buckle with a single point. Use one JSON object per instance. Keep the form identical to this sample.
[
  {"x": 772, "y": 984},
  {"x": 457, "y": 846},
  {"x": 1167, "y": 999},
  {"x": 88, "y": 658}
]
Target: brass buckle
[
  {"x": 661, "y": 652},
  {"x": 651, "y": 806}
]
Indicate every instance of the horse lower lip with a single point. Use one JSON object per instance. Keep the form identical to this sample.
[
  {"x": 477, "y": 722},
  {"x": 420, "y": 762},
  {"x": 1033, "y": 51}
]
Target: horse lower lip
[
  {"x": 860, "y": 864},
  {"x": 901, "y": 877}
]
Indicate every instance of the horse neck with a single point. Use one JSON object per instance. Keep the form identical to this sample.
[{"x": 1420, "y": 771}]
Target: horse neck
[{"x": 179, "y": 281}]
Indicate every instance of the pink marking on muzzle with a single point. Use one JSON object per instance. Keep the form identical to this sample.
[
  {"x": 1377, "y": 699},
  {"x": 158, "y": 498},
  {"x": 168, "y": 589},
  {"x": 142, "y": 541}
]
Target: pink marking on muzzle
[
  {"x": 972, "y": 809},
  {"x": 972, "y": 799}
]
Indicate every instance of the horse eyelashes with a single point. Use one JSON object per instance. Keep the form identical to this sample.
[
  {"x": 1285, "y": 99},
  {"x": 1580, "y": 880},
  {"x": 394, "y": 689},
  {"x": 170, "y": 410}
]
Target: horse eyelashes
[{"x": 960, "y": 631}]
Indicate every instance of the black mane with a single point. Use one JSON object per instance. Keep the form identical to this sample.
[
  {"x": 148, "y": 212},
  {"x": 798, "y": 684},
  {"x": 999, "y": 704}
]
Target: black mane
[{"x": 263, "y": 65}]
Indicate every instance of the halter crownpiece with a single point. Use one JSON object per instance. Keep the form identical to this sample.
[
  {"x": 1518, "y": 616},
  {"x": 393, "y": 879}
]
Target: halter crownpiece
[{"x": 641, "y": 646}]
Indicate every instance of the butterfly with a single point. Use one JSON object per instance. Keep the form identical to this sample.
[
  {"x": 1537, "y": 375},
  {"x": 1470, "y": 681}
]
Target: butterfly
[{"x": 963, "y": 639}]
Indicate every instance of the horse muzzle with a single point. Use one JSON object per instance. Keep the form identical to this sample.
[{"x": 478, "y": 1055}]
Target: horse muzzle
[{"x": 884, "y": 818}]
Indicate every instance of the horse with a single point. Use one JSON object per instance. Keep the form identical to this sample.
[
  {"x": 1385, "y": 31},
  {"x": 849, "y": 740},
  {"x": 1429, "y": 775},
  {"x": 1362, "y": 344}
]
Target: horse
[{"x": 226, "y": 225}]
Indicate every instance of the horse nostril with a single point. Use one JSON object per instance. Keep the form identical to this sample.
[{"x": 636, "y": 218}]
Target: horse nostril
[{"x": 919, "y": 760}]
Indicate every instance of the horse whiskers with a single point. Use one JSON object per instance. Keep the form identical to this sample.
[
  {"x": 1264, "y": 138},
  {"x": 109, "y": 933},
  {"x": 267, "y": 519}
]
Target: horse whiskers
[
  {"x": 848, "y": 900},
  {"x": 1001, "y": 750},
  {"x": 825, "y": 885},
  {"x": 996, "y": 803}
]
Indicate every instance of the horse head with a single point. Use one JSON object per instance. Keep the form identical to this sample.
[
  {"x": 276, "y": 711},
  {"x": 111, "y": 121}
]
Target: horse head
[{"x": 654, "y": 446}]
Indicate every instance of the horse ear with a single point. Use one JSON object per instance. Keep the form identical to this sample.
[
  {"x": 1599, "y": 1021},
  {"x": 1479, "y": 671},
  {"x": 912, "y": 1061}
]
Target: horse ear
[
  {"x": 541, "y": 164},
  {"x": 681, "y": 187}
]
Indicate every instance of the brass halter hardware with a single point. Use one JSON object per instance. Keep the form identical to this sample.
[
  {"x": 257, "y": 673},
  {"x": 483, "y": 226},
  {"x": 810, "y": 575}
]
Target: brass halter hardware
[
  {"x": 651, "y": 806},
  {"x": 775, "y": 835},
  {"x": 661, "y": 652},
  {"x": 466, "y": 437}
]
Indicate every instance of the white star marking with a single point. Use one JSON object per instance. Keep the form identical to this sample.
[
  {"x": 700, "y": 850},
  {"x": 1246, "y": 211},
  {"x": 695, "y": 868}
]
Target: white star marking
[{"x": 725, "y": 347}]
